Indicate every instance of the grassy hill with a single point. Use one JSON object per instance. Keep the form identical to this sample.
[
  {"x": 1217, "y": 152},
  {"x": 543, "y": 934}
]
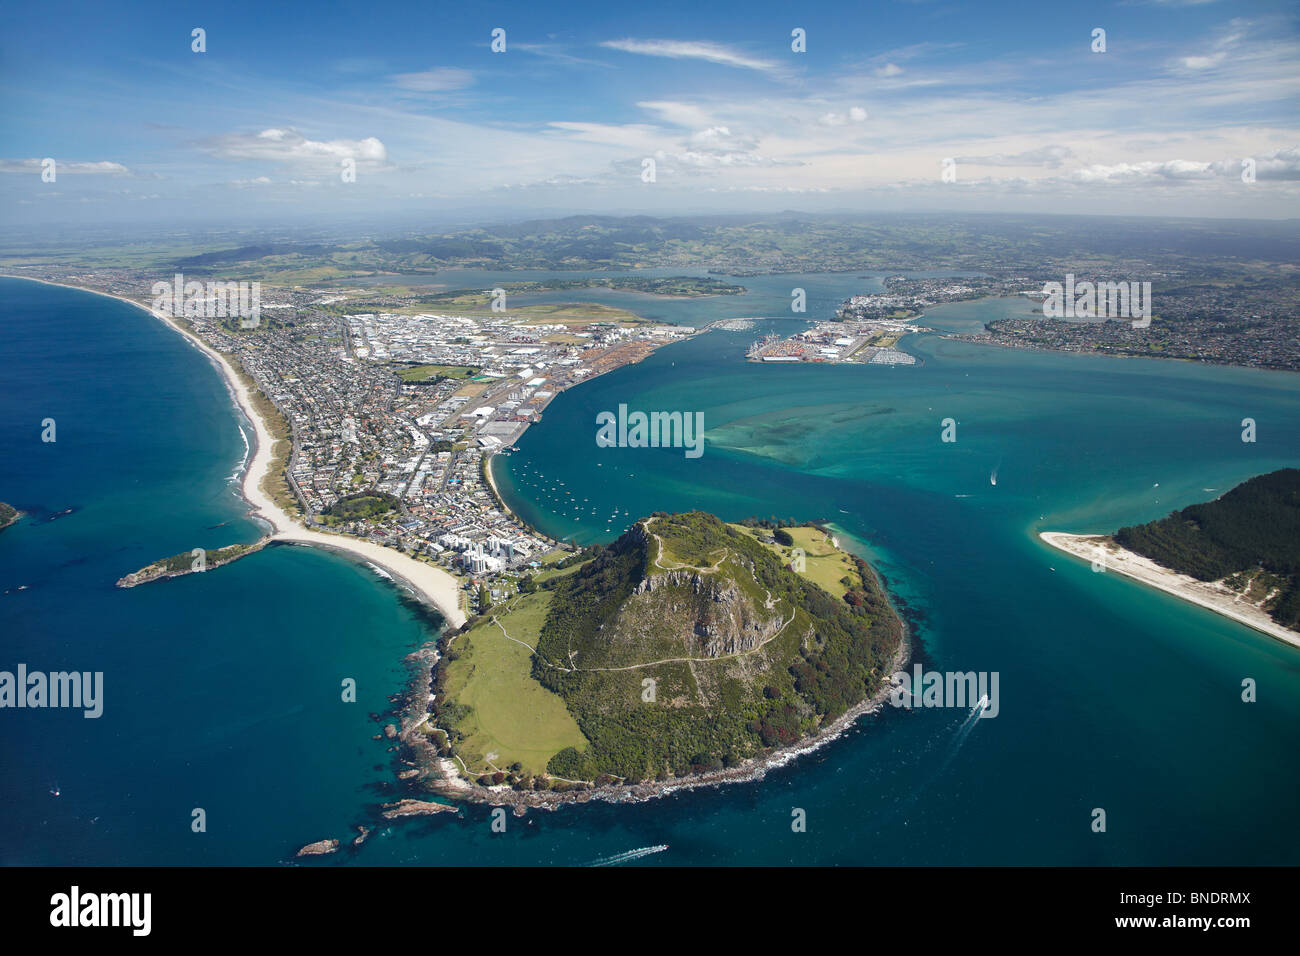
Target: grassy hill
[
  {"x": 1250, "y": 537},
  {"x": 833, "y": 570},
  {"x": 688, "y": 645},
  {"x": 501, "y": 717}
]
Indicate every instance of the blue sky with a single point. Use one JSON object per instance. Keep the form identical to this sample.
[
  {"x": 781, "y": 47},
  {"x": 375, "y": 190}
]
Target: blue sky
[{"x": 1033, "y": 120}]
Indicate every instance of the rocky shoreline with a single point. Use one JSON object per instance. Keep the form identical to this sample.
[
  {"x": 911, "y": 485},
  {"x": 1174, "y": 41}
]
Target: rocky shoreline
[
  {"x": 159, "y": 570},
  {"x": 438, "y": 776},
  {"x": 408, "y": 807},
  {"x": 319, "y": 848}
]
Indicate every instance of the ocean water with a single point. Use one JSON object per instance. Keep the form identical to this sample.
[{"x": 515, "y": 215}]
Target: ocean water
[{"x": 222, "y": 690}]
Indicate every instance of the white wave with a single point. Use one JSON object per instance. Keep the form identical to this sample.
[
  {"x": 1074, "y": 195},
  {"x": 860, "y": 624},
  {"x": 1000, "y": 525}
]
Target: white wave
[{"x": 242, "y": 466}]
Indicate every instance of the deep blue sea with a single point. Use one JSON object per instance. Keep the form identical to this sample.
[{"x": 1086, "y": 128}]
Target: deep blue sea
[{"x": 222, "y": 690}]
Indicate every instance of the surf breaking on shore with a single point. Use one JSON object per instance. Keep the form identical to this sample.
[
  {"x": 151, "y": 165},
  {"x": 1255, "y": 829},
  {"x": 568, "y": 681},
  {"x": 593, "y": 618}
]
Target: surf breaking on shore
[{"x": 431, "y": 585}]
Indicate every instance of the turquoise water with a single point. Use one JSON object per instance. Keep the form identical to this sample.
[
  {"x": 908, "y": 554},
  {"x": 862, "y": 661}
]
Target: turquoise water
[{"x": 222, "y": 689}]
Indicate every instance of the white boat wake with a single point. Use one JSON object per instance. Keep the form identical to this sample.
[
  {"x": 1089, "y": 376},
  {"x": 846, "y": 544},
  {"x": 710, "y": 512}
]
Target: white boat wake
[
  {"x": 630, "y": 855},
  {"x": 964, "y": 731}
]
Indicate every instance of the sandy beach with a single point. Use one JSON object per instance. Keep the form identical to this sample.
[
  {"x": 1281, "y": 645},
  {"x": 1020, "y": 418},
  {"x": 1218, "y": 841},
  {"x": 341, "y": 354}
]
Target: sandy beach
[
  {"x": 431, "y": 584},
  {"x": 1212, "y": 595}
]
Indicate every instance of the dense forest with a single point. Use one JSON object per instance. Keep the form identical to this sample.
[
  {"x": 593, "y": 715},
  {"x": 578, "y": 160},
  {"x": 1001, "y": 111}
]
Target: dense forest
[{"x": 1254, "y": 527}]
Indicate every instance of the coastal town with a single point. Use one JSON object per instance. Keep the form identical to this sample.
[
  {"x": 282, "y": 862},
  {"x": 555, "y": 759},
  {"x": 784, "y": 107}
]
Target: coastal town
[
  {"x": 395, "y": 418},
  {"x": 391, "y": 418},
  {"x": 391, "y": 402}
]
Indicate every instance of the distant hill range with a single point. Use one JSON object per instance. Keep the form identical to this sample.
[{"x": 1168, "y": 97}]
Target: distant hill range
[
  {"x": 1047, "y": 246},
  {"x": 1250, "y": 537}
]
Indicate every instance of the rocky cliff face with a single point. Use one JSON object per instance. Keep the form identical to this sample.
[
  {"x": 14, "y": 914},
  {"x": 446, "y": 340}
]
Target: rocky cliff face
[{"x": 715, "y": 616}]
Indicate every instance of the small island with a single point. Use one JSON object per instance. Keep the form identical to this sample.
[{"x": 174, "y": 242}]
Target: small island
[
  {"x": 319, "y": 848},
  {"x": 1238, "y": 555},
  {"x": 8, "y": 515},
  {"x": 688, "y": 651},
  {"x": 190, "y": 563}
]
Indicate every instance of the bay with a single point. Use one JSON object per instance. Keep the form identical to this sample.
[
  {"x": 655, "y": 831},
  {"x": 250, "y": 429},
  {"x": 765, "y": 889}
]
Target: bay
[{"x": 222, "y": 690}]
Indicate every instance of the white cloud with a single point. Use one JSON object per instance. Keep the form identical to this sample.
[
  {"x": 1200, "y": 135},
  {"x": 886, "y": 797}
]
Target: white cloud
[
  {"x": 720, "y": 139},
  {"x": 1051, "y": 156},
  {"x": 676, "y": 113},
  {"x": 636, "y": 136},
  {"x": 856, "y": 114},
  {"x": 693, "y": 50},
  {"x": 1278, "y": 164},
  {"x": 289, "y": 146},
  {"x": 62, "y": 167},
  {"x": 1223, "y": 47},
  {"x": 715, "y": 160},
  {"x": 438, "y": 80},
  {"x": 1202, "y": 62}
]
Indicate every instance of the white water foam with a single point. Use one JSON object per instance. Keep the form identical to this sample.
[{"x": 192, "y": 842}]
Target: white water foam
[
  {"x": 964, "y": 731},
  {"x": 244, "y": 460},
  {"x": 630, "y": 855}
]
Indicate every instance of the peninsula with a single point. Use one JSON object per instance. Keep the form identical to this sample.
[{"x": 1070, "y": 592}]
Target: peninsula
[
  {"x": 1238, "y": 556},
  {"x": 687, "y": 652},
  {"x": 192, "y": 562}
]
